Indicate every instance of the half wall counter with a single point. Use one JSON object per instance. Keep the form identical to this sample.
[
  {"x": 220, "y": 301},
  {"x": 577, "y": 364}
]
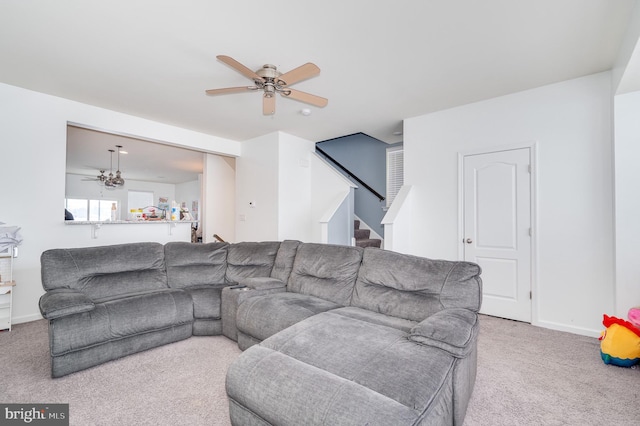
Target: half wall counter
[{"x": 169, "y": 225}]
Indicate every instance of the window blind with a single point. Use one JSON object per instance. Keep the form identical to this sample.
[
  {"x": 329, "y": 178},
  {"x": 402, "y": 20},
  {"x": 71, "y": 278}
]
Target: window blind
[{"x": 395, "y": 173}]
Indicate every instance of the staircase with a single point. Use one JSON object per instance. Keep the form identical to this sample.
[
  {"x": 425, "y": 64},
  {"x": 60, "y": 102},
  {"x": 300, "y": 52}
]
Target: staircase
[{"x": 362, "y": 236}]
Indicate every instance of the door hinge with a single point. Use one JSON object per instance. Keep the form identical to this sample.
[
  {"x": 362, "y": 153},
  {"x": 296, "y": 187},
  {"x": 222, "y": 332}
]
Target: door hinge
[
  {"x": 530, "y": 232},
  {"x": 530, "y": 295},
  {"x": 529, "y": 168}
]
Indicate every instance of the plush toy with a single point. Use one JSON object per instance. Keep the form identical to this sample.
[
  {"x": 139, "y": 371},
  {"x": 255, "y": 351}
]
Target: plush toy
[
  {"x": 619, "y": 342},
  {"x": 634, "y": 316}
]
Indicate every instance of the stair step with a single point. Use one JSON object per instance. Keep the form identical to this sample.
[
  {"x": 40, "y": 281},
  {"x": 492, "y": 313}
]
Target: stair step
[
  {"x": 369, "y": 242},
  {"x": 362, "y": 234},
  {"x": 356, "y": 224}
]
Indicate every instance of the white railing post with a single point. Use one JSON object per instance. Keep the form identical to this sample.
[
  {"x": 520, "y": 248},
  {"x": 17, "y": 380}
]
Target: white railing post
[{"x": 398, "y": 222}]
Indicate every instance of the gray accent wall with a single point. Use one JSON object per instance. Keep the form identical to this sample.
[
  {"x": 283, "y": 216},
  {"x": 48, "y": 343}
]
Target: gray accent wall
[{"x": 365, "y": 157}]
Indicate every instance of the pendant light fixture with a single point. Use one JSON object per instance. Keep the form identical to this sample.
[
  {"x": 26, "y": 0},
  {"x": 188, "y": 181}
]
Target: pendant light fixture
[
  {"x": 113, "y": 182},
  {"x": 118, "y": 180},
  {"x": 108, "y": 183}
]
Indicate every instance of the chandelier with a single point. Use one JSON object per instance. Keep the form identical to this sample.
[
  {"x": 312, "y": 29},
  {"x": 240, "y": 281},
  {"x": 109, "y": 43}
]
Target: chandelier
[{"x": 111, "y": 181}]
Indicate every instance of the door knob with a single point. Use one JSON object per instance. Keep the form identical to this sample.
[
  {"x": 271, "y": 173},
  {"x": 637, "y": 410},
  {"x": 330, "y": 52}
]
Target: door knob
[{"x": 469, "y": 241}]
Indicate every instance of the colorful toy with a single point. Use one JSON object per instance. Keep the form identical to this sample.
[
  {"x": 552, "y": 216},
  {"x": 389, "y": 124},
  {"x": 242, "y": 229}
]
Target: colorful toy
[
  {"x": 619, "y": 342},
  {"x": 634, "y": 316}
]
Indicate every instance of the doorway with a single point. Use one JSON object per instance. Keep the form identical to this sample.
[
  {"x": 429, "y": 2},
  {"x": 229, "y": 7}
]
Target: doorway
[{"x": 497, "y": 200}]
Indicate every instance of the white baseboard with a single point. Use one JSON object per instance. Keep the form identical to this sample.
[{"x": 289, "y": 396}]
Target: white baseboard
[
  {"x": 26, "y": 318},
  {"x": 569, "y": 329}
]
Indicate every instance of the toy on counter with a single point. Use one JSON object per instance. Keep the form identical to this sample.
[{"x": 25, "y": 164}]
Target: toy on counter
[
  {"x": 619, "y": 342},
  {"x": 634, "y": 316}
]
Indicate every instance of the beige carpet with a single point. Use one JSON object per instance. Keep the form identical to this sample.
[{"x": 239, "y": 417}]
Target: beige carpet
[{"x": 526, "y": 376}]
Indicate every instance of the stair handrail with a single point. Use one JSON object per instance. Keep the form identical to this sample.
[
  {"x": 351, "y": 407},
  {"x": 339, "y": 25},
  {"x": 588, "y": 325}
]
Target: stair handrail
[{"x": 351, "y": 175}]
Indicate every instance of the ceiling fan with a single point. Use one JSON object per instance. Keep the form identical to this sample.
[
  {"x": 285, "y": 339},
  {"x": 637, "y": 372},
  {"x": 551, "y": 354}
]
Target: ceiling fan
[
  {"x": 100, "y": 178},
  {"x": 271, "y": 81},
  {"x": 111, "y": 181}
]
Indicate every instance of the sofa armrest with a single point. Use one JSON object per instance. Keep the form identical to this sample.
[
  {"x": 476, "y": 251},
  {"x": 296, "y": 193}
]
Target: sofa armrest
[
  {"x": 62, "y": 302},
  {"x": 233, "y": 296},
  {"x": 453, "y": 330},
  {"x": 262, "y": 283}
]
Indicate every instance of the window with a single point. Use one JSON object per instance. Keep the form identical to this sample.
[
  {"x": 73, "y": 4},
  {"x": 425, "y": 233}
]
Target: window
[
  {"x": 96, "y": 210},
  {"x": 139, "y": 199},
  {"x": 395, "y": 172}
]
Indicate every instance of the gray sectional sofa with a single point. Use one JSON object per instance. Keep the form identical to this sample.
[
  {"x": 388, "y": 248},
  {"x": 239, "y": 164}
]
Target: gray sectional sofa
[{"x": 332, "y": 335}]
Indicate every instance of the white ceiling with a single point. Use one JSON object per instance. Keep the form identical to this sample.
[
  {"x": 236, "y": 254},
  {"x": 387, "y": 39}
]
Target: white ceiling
[
  {"x": 88, "y": 153},
  {"x": 381, "y": 60}
]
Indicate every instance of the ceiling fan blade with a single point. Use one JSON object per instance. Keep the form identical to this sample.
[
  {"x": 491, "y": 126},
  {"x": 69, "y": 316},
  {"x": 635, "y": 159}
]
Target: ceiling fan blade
[
  {"x": 305, "y": 97},
  {"x": 268, "y": 105},
  {"x": 229, "y": 90},
  {"x": 239, "y": 67},
  {"x": 303, "y": 72}
]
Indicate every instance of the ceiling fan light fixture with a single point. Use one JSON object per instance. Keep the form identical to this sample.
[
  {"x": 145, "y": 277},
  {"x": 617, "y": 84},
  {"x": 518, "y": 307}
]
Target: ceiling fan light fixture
[
  {"x": 111, "y": 182},
  {"x": 270, "y": 80},
  {"x": 118, "y": 181},
  {"x": 269, "y": 90}
]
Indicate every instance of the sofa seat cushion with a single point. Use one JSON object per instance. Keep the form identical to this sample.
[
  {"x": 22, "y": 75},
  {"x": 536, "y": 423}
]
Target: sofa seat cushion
[
  {"x": 120, "y": 318},
  {"x": 263, "y": 316},
  {"x": 376, "y": 318},
  {"x": 206, "y": 300},
  {"x": 333, "y": 369}
]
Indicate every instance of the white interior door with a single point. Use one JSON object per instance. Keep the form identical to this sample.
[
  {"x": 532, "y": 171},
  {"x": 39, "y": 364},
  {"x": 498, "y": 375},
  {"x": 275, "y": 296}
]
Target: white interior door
[{"x": 497, "y": 229}]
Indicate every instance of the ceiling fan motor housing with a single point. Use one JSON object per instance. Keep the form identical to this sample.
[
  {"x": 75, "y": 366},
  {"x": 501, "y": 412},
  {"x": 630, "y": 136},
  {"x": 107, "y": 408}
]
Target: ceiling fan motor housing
[
  {"x": 269, "y": 71},
  {"x": 269, "y": 84}
]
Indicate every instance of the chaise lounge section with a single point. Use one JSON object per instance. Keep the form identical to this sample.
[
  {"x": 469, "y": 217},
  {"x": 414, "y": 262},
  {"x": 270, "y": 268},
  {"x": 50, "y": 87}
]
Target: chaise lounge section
[
  {"x": 399, "y": 348},
  {"x": 331, "y": 334}
]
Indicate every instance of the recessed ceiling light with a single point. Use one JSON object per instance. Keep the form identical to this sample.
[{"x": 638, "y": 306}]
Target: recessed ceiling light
[{"x": 305, "y": 111}]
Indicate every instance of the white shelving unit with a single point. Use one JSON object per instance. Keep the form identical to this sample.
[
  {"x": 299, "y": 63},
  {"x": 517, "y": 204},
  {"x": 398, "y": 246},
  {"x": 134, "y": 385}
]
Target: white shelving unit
[{"x": 7, "y": 285}]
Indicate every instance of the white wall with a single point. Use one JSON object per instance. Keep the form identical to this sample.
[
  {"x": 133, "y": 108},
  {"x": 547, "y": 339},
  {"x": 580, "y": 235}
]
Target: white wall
[
  {"x": 626, "y": 69},
  {"x": 571, "y": 122},
  {"x": 33, "y": 134},
  {"x": 627, "y": 196},
  {"x": 257, "y": 182},
  {"x": 220, "y": 198},
  {"x": 188, "y": 192},
  {"x": 294, "y": 188},
  {"x": 290, "y": 188}
]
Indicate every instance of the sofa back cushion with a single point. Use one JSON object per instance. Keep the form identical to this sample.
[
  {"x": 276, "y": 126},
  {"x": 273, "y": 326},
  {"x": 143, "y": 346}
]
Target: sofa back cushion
[
  {"x": 325, "y": 271},
  {"x": 284, "y": 260},
  {"x": 414, "y": 287},
  {"x": 190, "y": 264},
  {"x": 107, "y": 271},
  {"x": 251, "y": 259}
]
